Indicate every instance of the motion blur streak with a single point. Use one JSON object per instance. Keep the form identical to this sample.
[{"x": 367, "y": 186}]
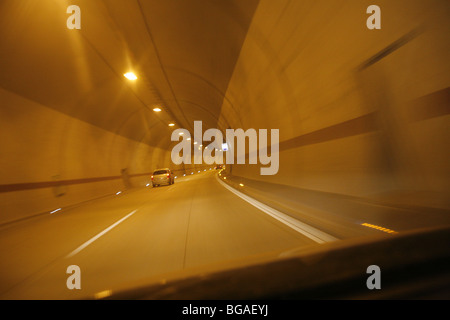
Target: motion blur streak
[
  {"x": 378, "y": 228},
  {"x": 363, "y": 119},
  {"x": 308, "y": 231}
]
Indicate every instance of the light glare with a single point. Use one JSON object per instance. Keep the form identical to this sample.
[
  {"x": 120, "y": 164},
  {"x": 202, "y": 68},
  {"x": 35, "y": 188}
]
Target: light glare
[{"x": 130, "y": 76}]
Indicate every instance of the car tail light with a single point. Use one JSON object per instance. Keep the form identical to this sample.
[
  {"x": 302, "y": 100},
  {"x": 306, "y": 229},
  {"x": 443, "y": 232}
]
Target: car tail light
[
  {"x": 152, "y": 177},
  {"x": 168, "y": 175}
]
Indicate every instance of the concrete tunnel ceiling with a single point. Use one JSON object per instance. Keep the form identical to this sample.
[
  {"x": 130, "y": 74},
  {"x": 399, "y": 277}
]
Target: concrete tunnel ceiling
[{"x": 183, "y": 53}]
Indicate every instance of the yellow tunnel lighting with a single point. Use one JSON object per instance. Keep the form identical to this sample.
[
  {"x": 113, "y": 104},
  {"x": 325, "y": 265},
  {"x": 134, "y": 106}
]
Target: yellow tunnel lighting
[
  {"x": 157, "y": 109},
  {"x": 130, "y": 76},
  {"x": 171, "y": 124}
]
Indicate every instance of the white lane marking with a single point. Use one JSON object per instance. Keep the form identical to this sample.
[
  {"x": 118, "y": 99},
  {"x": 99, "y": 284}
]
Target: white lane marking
[
  {"x": 84, "y": 245},
  {"x": 308, "y": 231}
]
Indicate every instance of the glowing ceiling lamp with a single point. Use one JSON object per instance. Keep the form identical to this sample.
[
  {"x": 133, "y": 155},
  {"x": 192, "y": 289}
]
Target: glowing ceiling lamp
[{"x": 130, "y": 76}]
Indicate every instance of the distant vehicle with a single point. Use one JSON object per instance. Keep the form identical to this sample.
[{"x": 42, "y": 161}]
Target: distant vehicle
[
  {"x": 219, "y": 166},
  {"x": 163, "y": 176}
]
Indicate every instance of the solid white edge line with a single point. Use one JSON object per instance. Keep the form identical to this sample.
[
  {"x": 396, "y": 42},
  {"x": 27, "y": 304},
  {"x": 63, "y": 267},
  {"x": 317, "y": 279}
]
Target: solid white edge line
[
  {"x": 84, "y": 245},
  {"x": 307, "y": 230}
]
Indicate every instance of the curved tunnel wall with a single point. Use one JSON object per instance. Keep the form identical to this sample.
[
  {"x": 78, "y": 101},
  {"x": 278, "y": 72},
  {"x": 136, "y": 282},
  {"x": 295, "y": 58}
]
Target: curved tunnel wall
[
  {"x": 361, "y": 112},
  {"x": 51, "y": 160}
]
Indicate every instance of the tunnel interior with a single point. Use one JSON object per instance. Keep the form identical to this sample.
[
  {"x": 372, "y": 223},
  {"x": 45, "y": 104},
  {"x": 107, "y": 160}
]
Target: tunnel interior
[
  {"x": 361, "y": 113},
  {"x": 345, "y": 130}
]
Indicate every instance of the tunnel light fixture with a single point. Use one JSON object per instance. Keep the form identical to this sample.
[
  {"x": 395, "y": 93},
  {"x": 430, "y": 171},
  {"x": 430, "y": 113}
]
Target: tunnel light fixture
[
  {"x": 241, "y": 184},
  {"x": 188, "y": 139},
  {"x": 195, "y": 142},
  {"x": 147, "y": 184},
  {"x": 157, "y": 109},
  {"x": 224, "y": 178},
  {"x": 224, "y": 146},
  {"x": 181, "y": 133},
  {"x": 171, "y": 124},
  {"x": 130, "y": 76}
]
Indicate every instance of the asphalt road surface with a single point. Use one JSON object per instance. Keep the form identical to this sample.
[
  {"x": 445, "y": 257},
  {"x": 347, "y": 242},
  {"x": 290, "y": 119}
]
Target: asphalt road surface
[{"x": 134, "y": 236}]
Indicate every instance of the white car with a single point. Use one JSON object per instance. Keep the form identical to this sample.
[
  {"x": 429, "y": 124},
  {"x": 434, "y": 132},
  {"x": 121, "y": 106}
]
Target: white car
[{"x": 162, "y": 176}]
